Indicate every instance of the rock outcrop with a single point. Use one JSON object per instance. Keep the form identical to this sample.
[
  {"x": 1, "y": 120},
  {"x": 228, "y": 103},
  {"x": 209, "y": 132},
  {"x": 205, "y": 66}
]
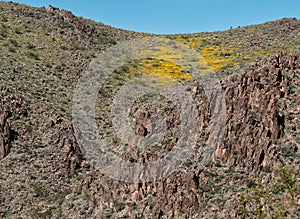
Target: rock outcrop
[
  {"x": 66, "y": 140},
  {"x": 5, "y": 132},
  {"x": 257, "y": 112}
]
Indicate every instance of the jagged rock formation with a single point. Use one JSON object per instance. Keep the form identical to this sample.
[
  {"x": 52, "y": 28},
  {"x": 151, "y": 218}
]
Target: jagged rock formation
[
  {"x": 5, "y": 132},
  {"x": 257, "y": 112},
  {"x": 66, "y": 140},
  {"x": 143, "y": 124}
]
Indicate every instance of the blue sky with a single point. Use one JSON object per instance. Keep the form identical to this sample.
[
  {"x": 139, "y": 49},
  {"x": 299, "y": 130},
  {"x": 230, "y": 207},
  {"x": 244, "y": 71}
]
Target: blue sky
[{"x": 177, "y": 16}]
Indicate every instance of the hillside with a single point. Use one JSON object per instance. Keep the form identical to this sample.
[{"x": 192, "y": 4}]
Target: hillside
[{"x": 254, "y": 171}]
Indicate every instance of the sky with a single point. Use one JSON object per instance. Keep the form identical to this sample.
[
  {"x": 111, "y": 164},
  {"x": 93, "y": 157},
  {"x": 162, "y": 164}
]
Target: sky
[{"x": 176, "y": 16}]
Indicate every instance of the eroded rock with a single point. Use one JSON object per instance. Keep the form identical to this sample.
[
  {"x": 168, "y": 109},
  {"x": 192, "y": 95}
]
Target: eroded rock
[
  {"x": 5, "y": 133},
  {"x": 67, "y": 141},
  {"x": 256, "y": 112}
]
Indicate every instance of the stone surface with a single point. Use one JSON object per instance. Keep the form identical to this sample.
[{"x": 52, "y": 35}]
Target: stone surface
[
  {"x": 255, "y": 116},
  {"x": 5, "y": 132}
]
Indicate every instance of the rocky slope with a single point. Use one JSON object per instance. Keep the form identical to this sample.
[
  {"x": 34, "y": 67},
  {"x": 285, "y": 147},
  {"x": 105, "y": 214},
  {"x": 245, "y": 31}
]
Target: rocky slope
[
  {"x": 259, "y": 156},
  {"x": 44, "y": 173}
]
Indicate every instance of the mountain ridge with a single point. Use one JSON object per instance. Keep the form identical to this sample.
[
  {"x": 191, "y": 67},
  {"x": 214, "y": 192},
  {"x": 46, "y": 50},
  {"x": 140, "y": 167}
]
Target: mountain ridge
[{"x": 44, "y": 173}]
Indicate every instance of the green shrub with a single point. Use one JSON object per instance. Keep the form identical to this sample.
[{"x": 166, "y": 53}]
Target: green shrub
[
  {"x": 33, "y": 55},
  {"x": 13, "y": 42},
  {"x": 119, "y": 206},
  {"x": 277, "y": 200},
  {"x": 250, "y": 183},
  {"x": 30, "y": 46}
]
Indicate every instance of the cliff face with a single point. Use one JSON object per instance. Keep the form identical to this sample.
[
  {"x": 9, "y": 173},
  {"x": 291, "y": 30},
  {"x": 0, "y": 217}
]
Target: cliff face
[
  {"x": 259, "y": 109},
  {"x": 254, "y": 172}
]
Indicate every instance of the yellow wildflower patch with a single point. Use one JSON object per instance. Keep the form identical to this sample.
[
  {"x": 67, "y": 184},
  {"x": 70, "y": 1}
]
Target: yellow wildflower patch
[
  {"x": 162, "y": 63},
  {"x": 217, "y": 57},
  {"x": 159, "y": 71}
]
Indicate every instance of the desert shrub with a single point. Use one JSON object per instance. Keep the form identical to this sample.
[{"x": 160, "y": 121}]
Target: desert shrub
[
  {"x": 277, "y": 200},
  {"x": 33, "y": 55}
]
